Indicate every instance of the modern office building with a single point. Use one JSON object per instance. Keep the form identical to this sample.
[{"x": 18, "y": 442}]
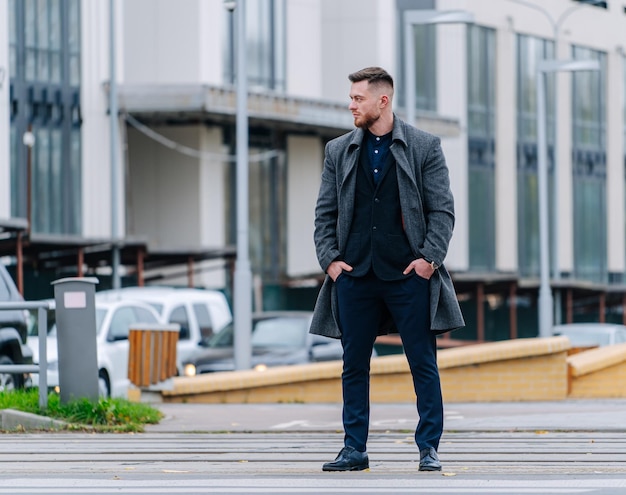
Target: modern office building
[{"x": 163, "y": 192}]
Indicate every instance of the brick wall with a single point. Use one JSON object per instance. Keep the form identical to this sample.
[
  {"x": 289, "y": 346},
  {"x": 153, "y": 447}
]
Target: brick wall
[
  {"x": 521, "y": 369},
  {"x": 598, "y": 373}
]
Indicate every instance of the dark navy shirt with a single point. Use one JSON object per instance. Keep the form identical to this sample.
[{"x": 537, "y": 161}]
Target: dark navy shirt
[{"x": 377, "y": 148}]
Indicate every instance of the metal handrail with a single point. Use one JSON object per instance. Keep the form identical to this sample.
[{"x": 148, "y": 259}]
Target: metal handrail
[{"x": 41, "y": 368}]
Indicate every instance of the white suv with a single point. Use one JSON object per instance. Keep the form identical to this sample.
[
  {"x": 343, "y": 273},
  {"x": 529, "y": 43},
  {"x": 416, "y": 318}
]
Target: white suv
[{"x": 199, "y": 312}]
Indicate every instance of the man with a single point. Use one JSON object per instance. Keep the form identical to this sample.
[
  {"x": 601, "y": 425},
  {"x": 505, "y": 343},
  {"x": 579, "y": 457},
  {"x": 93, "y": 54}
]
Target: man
[{"x": 383, "y": 222}]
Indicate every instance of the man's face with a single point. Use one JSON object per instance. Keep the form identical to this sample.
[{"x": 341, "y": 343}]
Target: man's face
[{"x": 364, "y": 104}]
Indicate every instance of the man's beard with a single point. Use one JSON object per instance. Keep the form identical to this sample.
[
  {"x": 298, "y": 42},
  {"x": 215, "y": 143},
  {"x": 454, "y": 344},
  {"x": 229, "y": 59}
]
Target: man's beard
[{"x": 366, "y": 121}]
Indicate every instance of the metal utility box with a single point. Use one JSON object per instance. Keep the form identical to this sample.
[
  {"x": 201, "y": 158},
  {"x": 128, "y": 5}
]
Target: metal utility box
[{"x": 76, "y": 338}]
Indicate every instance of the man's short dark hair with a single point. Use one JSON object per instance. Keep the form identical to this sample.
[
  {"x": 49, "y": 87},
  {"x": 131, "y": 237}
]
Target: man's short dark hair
[{"x": 373, "y": 75}]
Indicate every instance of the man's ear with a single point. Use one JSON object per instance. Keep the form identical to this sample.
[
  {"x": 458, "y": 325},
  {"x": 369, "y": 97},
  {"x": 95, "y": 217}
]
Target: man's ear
[{"x": 384, "y": 101}]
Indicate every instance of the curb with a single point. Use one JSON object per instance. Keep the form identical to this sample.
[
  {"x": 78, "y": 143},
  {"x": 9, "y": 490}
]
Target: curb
[{"x": 11, "y": 419}]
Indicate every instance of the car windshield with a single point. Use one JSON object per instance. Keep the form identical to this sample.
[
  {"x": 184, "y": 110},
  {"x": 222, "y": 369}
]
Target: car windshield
[
  {"x": 280, "y": 332},
  {"x": 157, "y": 306},
  {"x": 100, "y": 314},
  {"x": 223, "y": 338},
  {"x": 269, "y": 332}
]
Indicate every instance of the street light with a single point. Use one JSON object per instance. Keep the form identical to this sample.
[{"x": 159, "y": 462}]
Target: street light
[
  {"x": 115, "y": 248},
  {"x": 242, "y": 302},
  {"x": 545, "y": 294},
  {"x": 415, "y": 18},
  {"x": 556, "y": 27}
]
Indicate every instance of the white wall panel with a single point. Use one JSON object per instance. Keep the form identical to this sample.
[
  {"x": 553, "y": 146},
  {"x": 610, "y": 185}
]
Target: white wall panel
[
  {"x": 95, "y": 151},
  {"x": 5, "y": 163},
  {"x": 305, "y": 162},
  {"x": 506, "y": 159},
  {"x": 163, "y": 41},
  {"x": 452, "y": 102},
  {"x": 615, "y": 164},
  {"x": 164, "y": 186},
  {"x": 304, "y": 48}
]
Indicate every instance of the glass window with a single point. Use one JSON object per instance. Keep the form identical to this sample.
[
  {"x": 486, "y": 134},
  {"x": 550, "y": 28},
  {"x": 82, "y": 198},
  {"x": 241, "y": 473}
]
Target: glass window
[
  {"x": 12, "y": 39},
  {"x": 265, "y": 30},
  {"x": 144, "y": 316},
  {"x": 267, "y": 216},
  {"x": 529, "y": 51},
  {"x": 589, "y": 168},
  {"x": 16, "y": 199},
  {"x": 55, "y": 43},
  {"x": 179, "y": 315},
  {"x": 280, "y": 332},
  {"x": 55, "y": 182},
  {"x": 74, "y": 41},
  {"x": 41, "y": 197},
  {"x": 42, "y": 41},
  {"x": 481, "y": 144},
  {"x": 204, "y": 320},
  {"x": 121, "y": 322},
  {"x": 45, "y": 42},
  {"x": 425, "y": 50},
  {"x": 425, "y": 63}
]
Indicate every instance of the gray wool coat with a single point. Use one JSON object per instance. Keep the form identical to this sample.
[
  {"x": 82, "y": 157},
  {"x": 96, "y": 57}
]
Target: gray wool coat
[{"x": 427, "y": 209}]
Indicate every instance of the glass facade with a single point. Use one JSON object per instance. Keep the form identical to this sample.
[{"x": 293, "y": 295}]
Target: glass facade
[
  {"x": 589, "y": 168},
  {"x": 266, "y": 50},
  {"x": 268, "y": 218},
  {"x": 481, "y": 143},
  {"x": 529, "y": 51},
  {"x": 267, "y": 183},
  {"x": 44, "y": 54},
  {"x": 425, "y": 63}
]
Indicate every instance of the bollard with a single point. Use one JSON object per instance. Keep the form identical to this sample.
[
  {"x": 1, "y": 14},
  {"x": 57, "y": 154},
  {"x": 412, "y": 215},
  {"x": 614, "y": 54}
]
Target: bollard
[{"x": 76, "y": 338}]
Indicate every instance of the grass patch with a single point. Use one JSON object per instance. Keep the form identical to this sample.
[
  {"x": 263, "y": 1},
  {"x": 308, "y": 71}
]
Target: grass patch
[{"x": 106, "y": 415}]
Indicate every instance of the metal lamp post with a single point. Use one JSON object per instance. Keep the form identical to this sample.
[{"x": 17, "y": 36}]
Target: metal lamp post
[
  {"x": 243, "y": 275},
  {"x": 556, "y": 27},
  {"x": 545, "y": 293},
  {"x": 419, "y": 17},
  {"x": 115, "y": 248}
]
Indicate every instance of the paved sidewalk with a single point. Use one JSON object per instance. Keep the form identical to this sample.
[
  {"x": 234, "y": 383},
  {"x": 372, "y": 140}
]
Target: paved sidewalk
[
  {"x": 568, "y": 415},
  {"x": 572, "y": 447}
]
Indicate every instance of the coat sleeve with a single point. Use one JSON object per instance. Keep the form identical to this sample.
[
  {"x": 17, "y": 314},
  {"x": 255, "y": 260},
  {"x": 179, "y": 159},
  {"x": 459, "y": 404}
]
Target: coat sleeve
[
  {"x": 326, "y": 214},
  {"x": 438, "y": 204}
]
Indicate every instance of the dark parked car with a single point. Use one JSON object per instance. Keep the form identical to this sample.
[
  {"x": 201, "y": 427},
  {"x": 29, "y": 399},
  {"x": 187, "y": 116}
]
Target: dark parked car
[
  {"x": 13, "y": 334},
  {"x": 278, "y": 338}
]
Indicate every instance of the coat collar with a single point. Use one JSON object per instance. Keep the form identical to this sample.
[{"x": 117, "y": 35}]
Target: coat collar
[{"x": 398, "y": 134}]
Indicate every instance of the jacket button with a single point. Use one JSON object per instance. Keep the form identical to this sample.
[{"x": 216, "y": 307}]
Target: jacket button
[
  {"x": 374, "y": 228},
  {"x": 376, "y": 200}
]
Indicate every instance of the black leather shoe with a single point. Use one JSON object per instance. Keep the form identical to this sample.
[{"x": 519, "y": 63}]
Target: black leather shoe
[
  {"x": 349, "y": 459},
  {"x": 429, "y": 460}
]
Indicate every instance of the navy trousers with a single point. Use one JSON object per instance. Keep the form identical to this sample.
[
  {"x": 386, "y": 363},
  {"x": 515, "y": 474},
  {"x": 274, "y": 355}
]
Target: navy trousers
[{"x": 361, "y": 303}]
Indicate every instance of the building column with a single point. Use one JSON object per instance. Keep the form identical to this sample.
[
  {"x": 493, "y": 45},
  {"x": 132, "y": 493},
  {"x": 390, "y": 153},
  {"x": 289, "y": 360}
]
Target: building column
[
  {"x": 615, "y": 200},
  {"x": 452, "y": 102},
  {"x": 506, "y": 159},
  {"x": 5, "y": 162}
]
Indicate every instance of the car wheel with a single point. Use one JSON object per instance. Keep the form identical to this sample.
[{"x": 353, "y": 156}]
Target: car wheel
[
  {"x": 10, "y": 381},
  {"x": 104, "y": 388}
]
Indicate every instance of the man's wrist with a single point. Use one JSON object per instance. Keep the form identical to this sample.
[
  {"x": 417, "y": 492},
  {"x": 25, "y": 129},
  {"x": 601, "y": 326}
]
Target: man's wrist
[{"x": 432, "y": 264}]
